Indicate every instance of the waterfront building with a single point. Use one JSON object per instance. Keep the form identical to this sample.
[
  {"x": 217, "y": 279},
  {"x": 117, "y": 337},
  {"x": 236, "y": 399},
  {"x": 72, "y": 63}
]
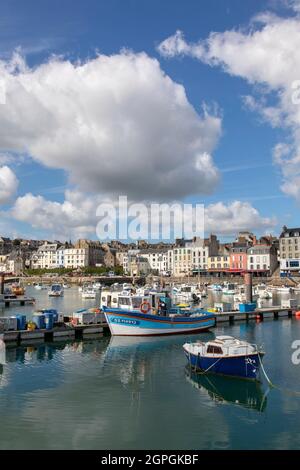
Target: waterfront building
[
  {"x": 109, "y": 255},
  {"x": 289, "y": 251},
  {"x": 262, "y": 259},
  {"x": 120, "y": 255},
  {"x": 14, "y": 263},
  {"x": 157, "y": 259},
  {"x": 238, "y": 260},
  {"x": 219, "y": 264},
  {"x": 180, "y": 261},
  {"x": 95, "y": 252},
  {"x": 75, "y": 257},
  {"x": 6, "y": 245},
  {"x": 45, "y": 257},
  {"x": 139, "y": 266},
  {"x": 128, "y": 259}
]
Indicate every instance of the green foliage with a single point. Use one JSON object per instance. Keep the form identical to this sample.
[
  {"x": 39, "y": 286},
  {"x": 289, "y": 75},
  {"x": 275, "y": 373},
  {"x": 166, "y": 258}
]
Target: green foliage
[
  {"x": 40, "y": 272},
  {"x": 93, "y": 270}
]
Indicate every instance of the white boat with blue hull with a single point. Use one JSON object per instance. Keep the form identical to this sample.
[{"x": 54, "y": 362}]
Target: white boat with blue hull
[
  {"x": 225, "y": 355},
  {"x": 133, "y": 323}
]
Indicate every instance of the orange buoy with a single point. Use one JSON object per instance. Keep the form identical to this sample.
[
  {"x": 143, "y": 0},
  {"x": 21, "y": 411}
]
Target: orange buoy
[{"x": 297, "y": 314}]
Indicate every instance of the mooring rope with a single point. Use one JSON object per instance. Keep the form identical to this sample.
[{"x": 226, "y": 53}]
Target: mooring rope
[
  {"x": 281, "y": 389},
  {"x": 271, "y": 384},
  {"x": 206, "y": 370}
]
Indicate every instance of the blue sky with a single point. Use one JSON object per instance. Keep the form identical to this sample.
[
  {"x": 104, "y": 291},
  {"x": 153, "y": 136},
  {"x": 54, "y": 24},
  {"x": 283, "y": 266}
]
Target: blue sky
[{"x": 77, "y": 30}]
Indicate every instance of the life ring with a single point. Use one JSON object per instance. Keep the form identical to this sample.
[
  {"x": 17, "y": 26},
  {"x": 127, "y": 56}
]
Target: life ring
[{"x": 145, "y": 307}]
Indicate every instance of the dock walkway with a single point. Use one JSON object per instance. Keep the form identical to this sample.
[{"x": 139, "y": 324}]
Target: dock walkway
[{"x": 69, "y": 331}]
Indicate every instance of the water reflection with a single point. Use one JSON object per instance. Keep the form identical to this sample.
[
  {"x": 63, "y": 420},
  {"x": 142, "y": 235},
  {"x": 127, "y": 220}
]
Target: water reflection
[{"x": 246, "y": 393}]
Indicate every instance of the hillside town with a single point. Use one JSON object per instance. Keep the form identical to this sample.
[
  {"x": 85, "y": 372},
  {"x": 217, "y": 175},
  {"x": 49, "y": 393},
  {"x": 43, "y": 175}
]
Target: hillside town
[{"x": 197, "y": 257}]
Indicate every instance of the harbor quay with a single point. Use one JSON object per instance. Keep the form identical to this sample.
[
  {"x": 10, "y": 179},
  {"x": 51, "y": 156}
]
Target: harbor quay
[{"x": 68, "y": 331}]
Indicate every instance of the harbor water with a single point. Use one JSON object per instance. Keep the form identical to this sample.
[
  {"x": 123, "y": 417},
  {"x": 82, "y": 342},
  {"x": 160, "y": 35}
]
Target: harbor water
[{"x": 136, "y": 393}]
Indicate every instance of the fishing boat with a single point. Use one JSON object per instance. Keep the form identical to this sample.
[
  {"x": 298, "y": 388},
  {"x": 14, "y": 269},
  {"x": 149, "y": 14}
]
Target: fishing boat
[
  {"x": 18, "y": 289},
  {"x": 285, "y": 289},
  {"x": 97, "y": 285},
  {"x": 56, "y": 290},
  {"x": 40, "y": 286},
  {"x": 216, "y": 287},
  {"x": 225, "y": 355},
  {"x": 144, "y": 323},
  {"x": 186, "y": 293},
  {"x": 229, "y": 289},
  {"x": 88, "y": 293}
]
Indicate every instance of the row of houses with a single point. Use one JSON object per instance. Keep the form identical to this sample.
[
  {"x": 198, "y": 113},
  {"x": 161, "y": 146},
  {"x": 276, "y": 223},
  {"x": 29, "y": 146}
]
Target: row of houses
[
  {"x": 48, "y": 255},
  {"x": 82, "y": 254},
  {"x": 207, "y": 257}
]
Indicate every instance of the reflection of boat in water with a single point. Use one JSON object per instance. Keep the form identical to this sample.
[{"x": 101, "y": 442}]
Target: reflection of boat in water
[{"x": 230, "y": 390}]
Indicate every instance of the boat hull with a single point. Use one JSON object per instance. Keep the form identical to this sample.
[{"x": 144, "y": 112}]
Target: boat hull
[
  {"x": 128, "y": 323},
  {"x": 246, "y": 367}
]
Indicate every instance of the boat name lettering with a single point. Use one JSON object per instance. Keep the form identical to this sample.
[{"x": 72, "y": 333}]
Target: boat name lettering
[
  {"x": 248, "y": 360},
  {"x": 125, "y": 321}
]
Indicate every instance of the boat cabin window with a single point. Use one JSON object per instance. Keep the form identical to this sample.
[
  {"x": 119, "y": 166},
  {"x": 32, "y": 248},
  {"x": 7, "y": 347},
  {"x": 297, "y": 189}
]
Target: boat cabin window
[
  {"x": 186, "y": 289},
  {"x": 136, "y": 301},
  {"x": 214, "y": 350},
  {"x": 115, "y": 300},
  {"x": 124, "y": 301}
]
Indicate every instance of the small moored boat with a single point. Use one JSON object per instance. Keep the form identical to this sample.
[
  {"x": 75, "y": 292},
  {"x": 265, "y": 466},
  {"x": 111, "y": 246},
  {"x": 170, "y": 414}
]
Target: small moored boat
[
  {"x": 56, "y": 290},
  {"x": 88, "y": 293},
  {"x": 225, "y": 355}
]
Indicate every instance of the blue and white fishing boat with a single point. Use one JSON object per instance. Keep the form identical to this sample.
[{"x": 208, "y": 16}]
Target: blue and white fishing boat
[
  {"x": 136, "y": 323},
  {"x": 56, "y": 290},
  {"x": 225, "y": 355}
]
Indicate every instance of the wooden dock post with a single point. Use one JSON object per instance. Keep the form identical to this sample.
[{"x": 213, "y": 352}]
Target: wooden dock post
[
  {"x": 248, "y": 287},
  {"x": 2, "y": 284}
]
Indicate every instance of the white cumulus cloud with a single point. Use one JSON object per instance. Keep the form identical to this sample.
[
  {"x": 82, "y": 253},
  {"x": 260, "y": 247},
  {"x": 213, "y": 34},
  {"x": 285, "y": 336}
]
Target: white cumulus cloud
[
  {"x": 267, "y": 56},
  {"x": 116, "y": 124},
  {"x": 8, "y": 184},
  {"x": 76, "y": 215},
  {"x": 231, "y": 218}
]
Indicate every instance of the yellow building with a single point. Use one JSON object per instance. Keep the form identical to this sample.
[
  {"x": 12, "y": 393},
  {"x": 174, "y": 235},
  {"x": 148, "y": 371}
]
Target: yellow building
[{"x": 219, "y": 262}]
